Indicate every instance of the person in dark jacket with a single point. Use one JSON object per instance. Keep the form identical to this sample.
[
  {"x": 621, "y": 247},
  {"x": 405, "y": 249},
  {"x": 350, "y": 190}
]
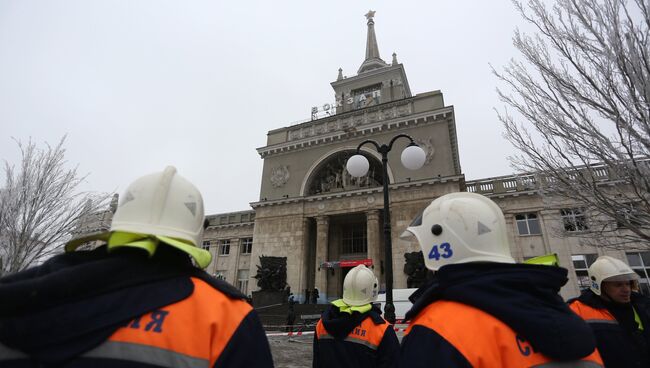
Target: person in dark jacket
[
  {"x": 351, "y": 332},
  {"x": 137, "y": 301},
  {"x": 481, "y": 309},
  {"x": 618, "y": 317},
  {"x": 314, "y": 296},
  {"x": 291, "y": 315}
]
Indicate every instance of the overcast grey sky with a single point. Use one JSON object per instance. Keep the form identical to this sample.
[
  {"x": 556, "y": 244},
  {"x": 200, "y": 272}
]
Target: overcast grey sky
[{"x": 138, "y": 85}]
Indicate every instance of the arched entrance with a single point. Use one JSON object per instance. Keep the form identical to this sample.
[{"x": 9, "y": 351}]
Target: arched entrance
[{"x": 331, "y": 175}]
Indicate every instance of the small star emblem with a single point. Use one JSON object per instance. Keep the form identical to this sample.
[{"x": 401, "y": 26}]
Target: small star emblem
[{"x": 370, "y": 14}]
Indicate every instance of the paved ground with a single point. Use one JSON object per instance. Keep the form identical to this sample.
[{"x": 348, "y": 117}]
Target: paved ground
[{"x": 291, "y": 352}]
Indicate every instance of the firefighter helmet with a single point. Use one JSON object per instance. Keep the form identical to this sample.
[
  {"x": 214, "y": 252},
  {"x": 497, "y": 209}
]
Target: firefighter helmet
[
  {"x": 607, "y": 268},
  {"x": 360, "y": 286},
  {"x": 459, "y": 228}
]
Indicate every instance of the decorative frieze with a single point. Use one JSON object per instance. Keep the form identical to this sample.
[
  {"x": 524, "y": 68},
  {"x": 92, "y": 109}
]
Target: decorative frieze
[
  {"x": 349, "y": 121},
  {"x": 369, "y": 122}
]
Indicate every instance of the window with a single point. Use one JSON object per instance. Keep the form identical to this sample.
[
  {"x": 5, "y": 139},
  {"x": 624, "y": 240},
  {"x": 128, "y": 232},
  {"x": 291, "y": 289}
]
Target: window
[
  {"x": 528, "y": 224},
  {"x": 206, "y": 245},
  {"x": 246, "y": 245},
  {"x": 574, "y": 219},
  {"x": 581, "y": 263},
  {"x": 220, "y": 274},
  {"x": 629, "y": 215},
  {"x": 353, "y": 239},
  {"x": 640, "y": 263},
  {"x": 224, "y": 247},
  {"x": 242, "y": 281},
  {"x": 368, "y": 96}
]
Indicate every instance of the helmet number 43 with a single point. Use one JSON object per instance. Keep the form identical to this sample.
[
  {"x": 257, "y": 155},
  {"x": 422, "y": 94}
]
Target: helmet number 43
[{"x": 445, "y": 248}]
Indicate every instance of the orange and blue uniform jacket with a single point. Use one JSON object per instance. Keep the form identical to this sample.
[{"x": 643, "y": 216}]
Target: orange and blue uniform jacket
[
  {"x": 495, "y": 315},
  {"x": 362, "y": 340},
  {"x": 620, "y": 339},
  {"x": 125, "y": 309}
]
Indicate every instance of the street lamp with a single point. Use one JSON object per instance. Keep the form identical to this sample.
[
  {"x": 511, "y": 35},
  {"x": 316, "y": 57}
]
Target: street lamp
[{"x": 413, "y": 158}]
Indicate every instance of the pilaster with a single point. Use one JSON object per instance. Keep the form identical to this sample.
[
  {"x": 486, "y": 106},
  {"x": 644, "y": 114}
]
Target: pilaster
[
  {"x": 373, "y": 236},
  {"x": 322, "y": 239}
]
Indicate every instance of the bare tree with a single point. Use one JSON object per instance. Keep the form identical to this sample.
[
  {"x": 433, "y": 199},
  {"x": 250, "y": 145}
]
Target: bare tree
[
  {"x": 40, "y": 206},
  {"x": 580, "y": 110}
]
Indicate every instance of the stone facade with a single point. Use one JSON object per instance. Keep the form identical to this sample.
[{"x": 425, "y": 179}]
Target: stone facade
[
  {"x": 312, "y": 212},
  {"x": 229, "y": 237}
]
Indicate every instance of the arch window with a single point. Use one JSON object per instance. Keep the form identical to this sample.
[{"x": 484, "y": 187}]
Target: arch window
[{"x": 332, "y": 176}]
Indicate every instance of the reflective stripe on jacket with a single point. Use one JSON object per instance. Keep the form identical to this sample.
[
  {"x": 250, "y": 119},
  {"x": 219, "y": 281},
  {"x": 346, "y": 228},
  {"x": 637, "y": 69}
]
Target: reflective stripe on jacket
[
  {"x": 367, "y": 345},
  {"x": 481, "y": 339},
  {"x": 206, "y": 329},
  {"x": 193, "y": 332},
  {"x": 367, "y": 334}
]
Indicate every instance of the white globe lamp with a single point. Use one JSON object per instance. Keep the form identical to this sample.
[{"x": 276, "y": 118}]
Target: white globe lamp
[
  {"x": 413, "y": 157},
  {"x": 357, "y": 165}
]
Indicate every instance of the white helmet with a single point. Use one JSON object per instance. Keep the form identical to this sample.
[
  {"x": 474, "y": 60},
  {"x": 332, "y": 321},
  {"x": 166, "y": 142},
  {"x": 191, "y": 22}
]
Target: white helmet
[
  {"x": 360, "y": 286},
  {"x": 459, "y": 228},
  {"x": 160, "y": 207},
  {"x": 163, "y": 204},
  {"x": 607, "y": 268}
]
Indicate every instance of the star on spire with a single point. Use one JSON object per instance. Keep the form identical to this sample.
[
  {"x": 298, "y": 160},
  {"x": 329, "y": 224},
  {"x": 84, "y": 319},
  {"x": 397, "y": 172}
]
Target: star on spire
[{"x": 373, "y": 61}]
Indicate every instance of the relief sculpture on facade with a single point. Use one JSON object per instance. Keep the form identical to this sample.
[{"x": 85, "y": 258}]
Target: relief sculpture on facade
[
  {"x": 404, "y": 110},
  {"x": 332, "y": 176},
  {"x": 427, "y": 145},
  {"x": 279, "y": 176}
]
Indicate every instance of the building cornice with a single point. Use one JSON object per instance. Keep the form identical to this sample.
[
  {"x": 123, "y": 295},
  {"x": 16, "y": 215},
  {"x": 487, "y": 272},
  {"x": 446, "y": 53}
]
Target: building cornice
[
  {"x": 230, "y": 226},
  {"x": 358, "y": 192}
]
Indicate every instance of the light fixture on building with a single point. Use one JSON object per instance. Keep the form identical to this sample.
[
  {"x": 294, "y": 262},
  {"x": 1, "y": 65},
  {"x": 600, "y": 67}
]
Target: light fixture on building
[{"x": 413, "y": 158}]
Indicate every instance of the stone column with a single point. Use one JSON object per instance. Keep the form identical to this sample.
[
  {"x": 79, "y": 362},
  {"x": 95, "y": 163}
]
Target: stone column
[
  {"x": 233, "y": 261},
  {"x": 322, "y": 240},
  {"x": 306, "y": 266},
  {"x": 373, "y": 236}
]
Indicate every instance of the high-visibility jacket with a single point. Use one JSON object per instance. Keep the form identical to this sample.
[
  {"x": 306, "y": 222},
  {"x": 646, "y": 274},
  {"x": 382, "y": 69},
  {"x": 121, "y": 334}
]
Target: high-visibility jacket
[
  {"x": 593, "y": 315},
  {"x": 470, "y": 337},
  {"x": 372, "y": 343},
  {"x": 158, "y": 312},
  {"x": 618, "y": 347},
  {"x": 193, "y": 332}
]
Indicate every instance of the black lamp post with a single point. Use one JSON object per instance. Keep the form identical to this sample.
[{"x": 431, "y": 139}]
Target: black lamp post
[{"x": 413, "y": 158}]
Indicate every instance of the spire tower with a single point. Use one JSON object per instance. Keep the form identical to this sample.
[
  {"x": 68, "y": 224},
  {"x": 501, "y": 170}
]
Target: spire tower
[{"x": 373, "y": 60}]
